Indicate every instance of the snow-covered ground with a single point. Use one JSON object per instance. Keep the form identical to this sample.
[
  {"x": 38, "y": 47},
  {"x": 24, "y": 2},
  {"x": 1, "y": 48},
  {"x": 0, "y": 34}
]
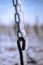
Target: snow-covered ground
[{"x": 9, "y": 54}]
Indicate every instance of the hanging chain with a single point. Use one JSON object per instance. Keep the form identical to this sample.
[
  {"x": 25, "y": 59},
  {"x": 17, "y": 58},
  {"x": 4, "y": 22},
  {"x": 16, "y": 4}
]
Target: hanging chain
[{"x": 17, "y": 6}]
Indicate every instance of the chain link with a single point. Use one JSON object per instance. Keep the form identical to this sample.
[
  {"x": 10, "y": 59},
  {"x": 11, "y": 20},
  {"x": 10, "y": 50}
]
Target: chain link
[
  {"x": 17, "y": 2},
  {"x": 14, "y": 2}
]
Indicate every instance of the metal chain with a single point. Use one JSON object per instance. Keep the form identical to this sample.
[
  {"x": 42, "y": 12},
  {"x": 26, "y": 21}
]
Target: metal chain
[
  {"x": 17, "y": 5},
  {"x": 19, "y": 34}
]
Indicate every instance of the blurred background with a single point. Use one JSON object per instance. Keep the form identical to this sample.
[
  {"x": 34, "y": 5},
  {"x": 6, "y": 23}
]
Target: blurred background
[{"x": 33, "y": 24}]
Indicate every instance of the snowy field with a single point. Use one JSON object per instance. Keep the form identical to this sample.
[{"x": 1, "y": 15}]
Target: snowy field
[{"x": 9, "y": 54}]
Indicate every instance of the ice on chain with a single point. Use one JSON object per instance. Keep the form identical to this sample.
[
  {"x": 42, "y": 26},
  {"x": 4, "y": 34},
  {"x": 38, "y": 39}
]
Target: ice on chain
[
  {"x": 19, "y": 7},
  {"x": 20, "y": 11}
]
